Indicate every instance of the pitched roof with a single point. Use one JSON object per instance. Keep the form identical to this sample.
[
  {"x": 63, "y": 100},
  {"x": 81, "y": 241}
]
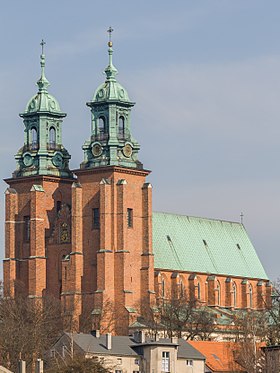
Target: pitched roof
[
  {"x": 219, "y": 355},
  {"x": 204, "y": 245},
  {"x": 121, "y": 345},
  {"x": 127, "y": 346}
]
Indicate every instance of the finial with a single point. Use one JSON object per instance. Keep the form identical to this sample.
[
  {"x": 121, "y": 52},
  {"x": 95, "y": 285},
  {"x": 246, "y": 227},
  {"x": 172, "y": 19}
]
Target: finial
[
  {"x": 42, "y": 45},
  {"x": 43, "y": 82},
  {"x": 241, "y": 217},
  {"x": 110, "y": 71},
  {"x": 110, "y": 30}
]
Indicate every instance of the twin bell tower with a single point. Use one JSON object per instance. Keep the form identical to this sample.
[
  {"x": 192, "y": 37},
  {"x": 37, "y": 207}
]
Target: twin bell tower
[{"x": 83, "y": 236}]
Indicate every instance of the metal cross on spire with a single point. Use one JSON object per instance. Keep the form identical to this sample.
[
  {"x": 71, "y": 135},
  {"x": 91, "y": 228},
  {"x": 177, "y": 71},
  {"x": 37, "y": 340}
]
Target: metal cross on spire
[
  {"x": 42, "y": 45},
  {"x": 110, "y": 30}
]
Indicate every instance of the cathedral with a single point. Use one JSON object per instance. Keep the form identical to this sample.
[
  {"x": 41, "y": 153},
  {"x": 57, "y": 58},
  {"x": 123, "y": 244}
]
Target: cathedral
[{"x": 89, "y": 237}]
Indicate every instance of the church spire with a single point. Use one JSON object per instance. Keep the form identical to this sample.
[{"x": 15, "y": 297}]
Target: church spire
[
  {"x": 42, "y": 152},
  {"x": 43, "y": 82},
  {"x": 111, "y": 142}
]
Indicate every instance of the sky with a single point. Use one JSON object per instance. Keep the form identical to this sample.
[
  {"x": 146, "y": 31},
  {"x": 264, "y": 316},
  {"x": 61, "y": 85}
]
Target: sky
[{"x": 205, "y": 76}]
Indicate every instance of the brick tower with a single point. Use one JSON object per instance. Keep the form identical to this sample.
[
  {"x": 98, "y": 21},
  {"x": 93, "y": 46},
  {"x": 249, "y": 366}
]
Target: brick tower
[
  {"x": 85, "y": 239},
  {"x": 38, "y": 201},
  {"x": 115, "y": 213}
]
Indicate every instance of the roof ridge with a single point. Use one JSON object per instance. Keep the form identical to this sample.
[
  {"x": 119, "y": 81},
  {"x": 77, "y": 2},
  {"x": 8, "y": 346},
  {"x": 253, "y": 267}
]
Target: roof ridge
[{"x": 198, "y": 217}]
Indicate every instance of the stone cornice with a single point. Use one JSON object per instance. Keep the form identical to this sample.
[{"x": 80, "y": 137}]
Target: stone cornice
[{"x": 106, "y": 169}]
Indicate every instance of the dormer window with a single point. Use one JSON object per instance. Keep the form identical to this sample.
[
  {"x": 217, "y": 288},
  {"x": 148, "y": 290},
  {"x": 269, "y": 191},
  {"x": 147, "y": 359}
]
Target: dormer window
[
  {"x": 121, "y": 127},
  {"x": 52, "y": 137}
]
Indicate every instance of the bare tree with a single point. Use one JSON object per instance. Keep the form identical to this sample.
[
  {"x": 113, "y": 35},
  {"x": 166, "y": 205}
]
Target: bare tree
[
  {"x": 252, "y": 334},
  {"x": 78, "y": 364},
  {"x": 28, "y": 328}
]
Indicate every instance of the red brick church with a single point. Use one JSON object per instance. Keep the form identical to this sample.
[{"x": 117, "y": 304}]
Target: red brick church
[{"x": 89, "y": 236}]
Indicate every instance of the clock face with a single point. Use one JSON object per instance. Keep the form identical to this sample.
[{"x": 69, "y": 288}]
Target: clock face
[
  {"x": 28, "y": 160},
  {"x": 127, "y": 150},
  {"x": 57, "y": 160},
  {"x": 96, "y": 150}
]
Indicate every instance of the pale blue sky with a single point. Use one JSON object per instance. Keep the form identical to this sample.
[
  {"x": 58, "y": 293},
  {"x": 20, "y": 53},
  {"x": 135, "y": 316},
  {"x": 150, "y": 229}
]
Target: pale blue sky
[{"x": 205, "y": 76}]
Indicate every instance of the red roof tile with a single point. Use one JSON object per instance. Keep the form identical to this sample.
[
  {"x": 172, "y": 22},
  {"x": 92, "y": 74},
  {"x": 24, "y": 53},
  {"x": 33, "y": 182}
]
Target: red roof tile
[{"x": 219, "y": 355}]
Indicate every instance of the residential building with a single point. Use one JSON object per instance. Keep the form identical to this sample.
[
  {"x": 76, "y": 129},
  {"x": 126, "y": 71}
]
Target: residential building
[{"x": 131, "y": 354}]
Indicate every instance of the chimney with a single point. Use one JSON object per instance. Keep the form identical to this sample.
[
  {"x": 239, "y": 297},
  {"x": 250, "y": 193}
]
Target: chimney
[
  {"x": 95, "y": 333},
  {"x": 156, "y": 337},
  {"x": 39, "y": 366},
  {"x": 174, "y": 340},
  {"x": 22, "y": 366},
  {"x": 109, "y": 341},
  {"x": 139, "y": 336}
]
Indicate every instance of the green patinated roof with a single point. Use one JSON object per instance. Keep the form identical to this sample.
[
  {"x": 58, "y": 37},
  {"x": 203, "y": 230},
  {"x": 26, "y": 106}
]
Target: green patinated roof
[{"x": 204, "y": 245}]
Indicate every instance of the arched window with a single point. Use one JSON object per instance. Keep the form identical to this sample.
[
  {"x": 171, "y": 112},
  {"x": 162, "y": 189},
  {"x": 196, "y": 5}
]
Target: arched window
[
  {"x": 52, "y": 137},
  {"x": 198, "y": 291},
  {"x": 34, "y": 138},
  {"x": 101, "y": 125},
  {"x": 163, "y": 288},
  {"x": 218, "y": 293},
  {"x": 234, "y": 293},
  {"x": 250, "y": 296},
  {"x": 181, "y": 288},
  {"x": 121, "y": 127}
]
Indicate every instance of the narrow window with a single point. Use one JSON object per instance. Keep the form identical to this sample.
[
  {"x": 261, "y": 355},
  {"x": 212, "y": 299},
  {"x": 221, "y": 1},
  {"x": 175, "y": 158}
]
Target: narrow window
[
  {"x": 250, "y": 296},
  {"x": 198, "y": 291},
  {"x": 165, "y": 362},
  {"x": 218, "y": 294},
  {"x": 163, "y": 288},
  {"x": 95, "y": 218},
  {"x": 189, "y": 362},
  {"x": 58, "y": 206},
  {"x": 182, "y": 289},
  {"x": 130, "y": 218},
  {"x": 34, "y": 138},
  {"x": 26, "y": 228},
  {"x": 121, "y": 127},
  {"x": 101, "y": 125},
  {"x": 52, "y": 137},
  {"x": 234, "y": 294}
]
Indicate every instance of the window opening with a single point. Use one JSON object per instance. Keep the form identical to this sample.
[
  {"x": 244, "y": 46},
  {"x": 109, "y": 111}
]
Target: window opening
[
  {"x": 130, "y": 218},
  {"x": 219, "y": 294},
  {"x": 165, "y": 362},
  {"x": 250, "y": 296},
  {"x": 52, "y": 137},
  {"x": 96, "y": 218},
  {"x": 26, "y": 228},
  {"x": 234, "y": 294},
  {"x": 34, "y": 138},
  {"x": 101, "y": 125},
  {"x": 121, "y": 127},
  {"x": 198, "y": 291},
  {"x": 58, "y": 206},
  {"x": 163, "y": 288}
]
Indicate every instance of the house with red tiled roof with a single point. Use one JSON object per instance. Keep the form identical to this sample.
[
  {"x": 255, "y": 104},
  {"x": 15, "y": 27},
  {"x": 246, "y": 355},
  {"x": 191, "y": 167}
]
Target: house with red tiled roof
[{"x": 220, "y": 356}]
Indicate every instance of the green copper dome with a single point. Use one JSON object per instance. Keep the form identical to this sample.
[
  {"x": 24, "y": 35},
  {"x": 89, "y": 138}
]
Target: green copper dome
[
  {"x": 111, "y": 142},
  {"x": 42, "y": 101},
  {"x": 110, "y": 89}
]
